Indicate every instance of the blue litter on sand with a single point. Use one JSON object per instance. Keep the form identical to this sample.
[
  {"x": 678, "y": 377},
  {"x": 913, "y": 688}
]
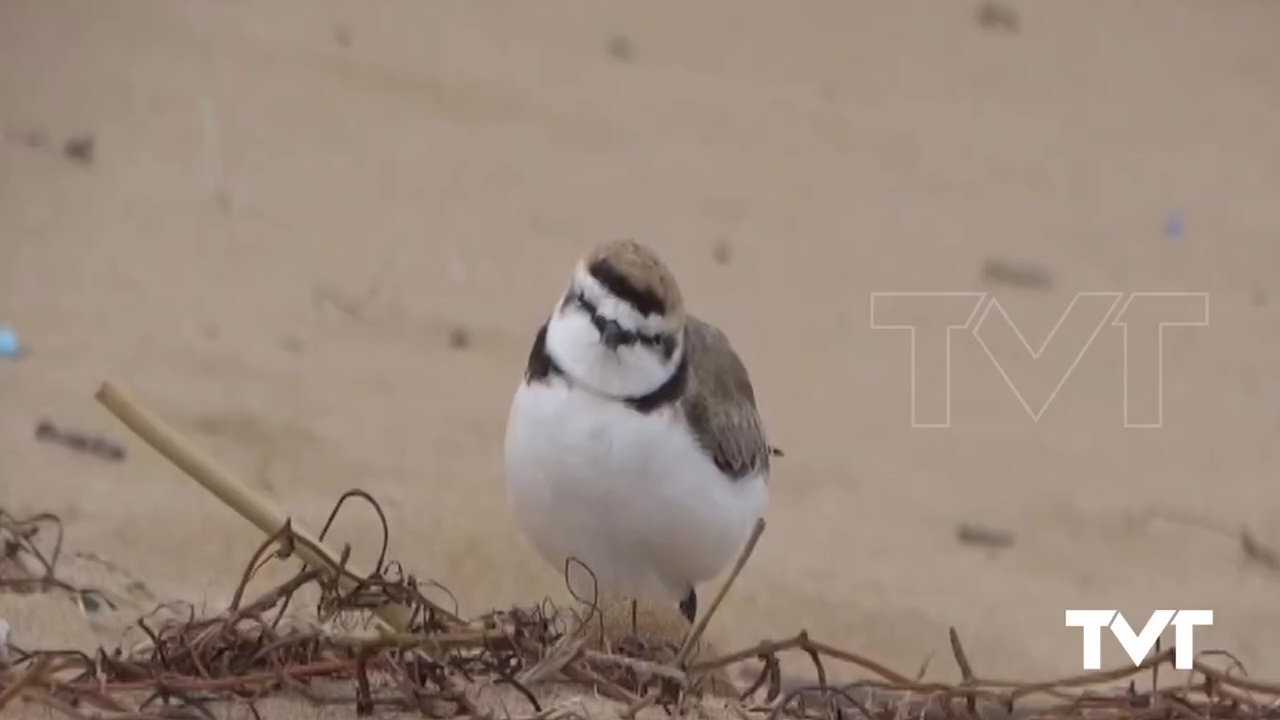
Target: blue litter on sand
[
  {"x": 10, "y": 345},
  {"x": 1174, "y": 228}
]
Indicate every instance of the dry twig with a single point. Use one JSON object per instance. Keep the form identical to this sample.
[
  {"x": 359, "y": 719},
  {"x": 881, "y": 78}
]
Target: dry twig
[{"x": 435, "y": 663}]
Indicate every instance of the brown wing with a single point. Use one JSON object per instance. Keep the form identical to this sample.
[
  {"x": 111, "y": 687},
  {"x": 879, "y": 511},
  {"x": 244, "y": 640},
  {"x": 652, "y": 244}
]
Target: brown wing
[{"x": 720, "y": 404}]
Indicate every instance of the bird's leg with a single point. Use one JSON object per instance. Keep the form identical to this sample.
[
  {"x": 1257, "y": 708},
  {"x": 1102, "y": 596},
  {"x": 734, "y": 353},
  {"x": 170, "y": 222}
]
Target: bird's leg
[
  {"x": 689, "y": 605},
  {"x": 634, "y": 631}
]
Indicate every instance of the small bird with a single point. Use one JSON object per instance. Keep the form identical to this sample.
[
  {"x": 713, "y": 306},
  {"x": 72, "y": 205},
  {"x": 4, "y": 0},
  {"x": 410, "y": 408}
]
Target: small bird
[{"x": 633, "y": 445}]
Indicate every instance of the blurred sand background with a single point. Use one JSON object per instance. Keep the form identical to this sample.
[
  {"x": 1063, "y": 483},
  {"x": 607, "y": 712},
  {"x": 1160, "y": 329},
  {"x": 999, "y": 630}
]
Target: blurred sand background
[{"x": 294, "y": 213}]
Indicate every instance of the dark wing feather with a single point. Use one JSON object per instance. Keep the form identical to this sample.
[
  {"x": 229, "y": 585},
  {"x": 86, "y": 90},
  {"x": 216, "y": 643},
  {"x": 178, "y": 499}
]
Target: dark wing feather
[{"x": 720, "y": 404}]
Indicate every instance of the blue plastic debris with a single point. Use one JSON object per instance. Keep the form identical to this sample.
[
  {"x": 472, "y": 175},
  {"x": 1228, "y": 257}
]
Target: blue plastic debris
[
  {"x": 1174, "y": 228},
  {"x": 10, "y": 345}
]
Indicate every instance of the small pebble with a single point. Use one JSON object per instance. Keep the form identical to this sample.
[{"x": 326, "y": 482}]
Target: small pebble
[
  {"x": 10, "y": 345},
  {"x": 996, "y": 16},
  {"x": 82, "y": 442},
  {"x": 1018, "y": 274},
  {"x": 90, "y": 603},
  {"x": 459, "y": 338},
  {"x": 722, "y": 252},
  {"x": 342, "y": 35},
  {"x": 79, "y": 149},
  {"x": 969, "y": 534},
  {"x": 620, "y": 48}
]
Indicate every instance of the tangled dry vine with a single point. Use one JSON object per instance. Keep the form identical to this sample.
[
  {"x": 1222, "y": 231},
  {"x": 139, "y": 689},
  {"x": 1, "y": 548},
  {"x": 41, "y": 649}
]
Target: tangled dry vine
[
  {"x": 440, "y": 665},
  {"x": 376, "y": 640}
]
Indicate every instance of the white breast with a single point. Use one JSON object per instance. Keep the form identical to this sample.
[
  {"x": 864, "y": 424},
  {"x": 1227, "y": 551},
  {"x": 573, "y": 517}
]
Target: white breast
[{"x": 630, "y": 495}]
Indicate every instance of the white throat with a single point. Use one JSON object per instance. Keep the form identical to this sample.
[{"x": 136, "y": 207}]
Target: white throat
[{"x": 573, "y": 342}]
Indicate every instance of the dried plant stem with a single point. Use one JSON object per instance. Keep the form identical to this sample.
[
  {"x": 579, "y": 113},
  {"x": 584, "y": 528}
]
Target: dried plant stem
[
  {"x": 802, "y": 642},
  {"x": 226, "y": 487},
  {"x": 701, "y": 626},
  {"x": 640, "y": 666},
  {"x": 9, "y": 693},
  {"x": 441, "y": 669}
]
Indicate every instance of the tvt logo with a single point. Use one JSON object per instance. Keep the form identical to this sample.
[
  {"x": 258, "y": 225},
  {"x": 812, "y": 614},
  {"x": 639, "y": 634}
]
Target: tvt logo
[
  {"x": 1138, "y": 645},
  {"x": 932, "y": 319}
]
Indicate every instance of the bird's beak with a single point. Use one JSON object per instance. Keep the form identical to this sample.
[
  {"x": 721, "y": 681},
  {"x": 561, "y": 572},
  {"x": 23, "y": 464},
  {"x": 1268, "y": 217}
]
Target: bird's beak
[{"x": 611, "y": 334}]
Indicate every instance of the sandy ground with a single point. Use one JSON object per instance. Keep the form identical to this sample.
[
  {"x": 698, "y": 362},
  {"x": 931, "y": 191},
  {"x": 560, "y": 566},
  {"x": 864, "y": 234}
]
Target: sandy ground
[{"x": 290, "y": 209}]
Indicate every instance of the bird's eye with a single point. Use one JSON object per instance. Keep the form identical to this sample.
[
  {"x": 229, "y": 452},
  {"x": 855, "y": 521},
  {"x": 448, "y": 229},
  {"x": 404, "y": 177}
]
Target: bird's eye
[{"x": 669, "y": 345}]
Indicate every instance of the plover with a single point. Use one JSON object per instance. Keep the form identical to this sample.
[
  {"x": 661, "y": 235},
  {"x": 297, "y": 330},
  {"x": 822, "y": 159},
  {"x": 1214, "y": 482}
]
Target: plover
[{"x": 633, "y": 444}]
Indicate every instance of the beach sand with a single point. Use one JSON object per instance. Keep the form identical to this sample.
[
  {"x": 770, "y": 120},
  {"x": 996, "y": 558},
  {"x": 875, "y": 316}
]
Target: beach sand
[{"x": 318, "y": 238}]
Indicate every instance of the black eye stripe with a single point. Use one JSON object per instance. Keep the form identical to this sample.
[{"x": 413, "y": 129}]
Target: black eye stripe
[{"x": 629, "y": 337}]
